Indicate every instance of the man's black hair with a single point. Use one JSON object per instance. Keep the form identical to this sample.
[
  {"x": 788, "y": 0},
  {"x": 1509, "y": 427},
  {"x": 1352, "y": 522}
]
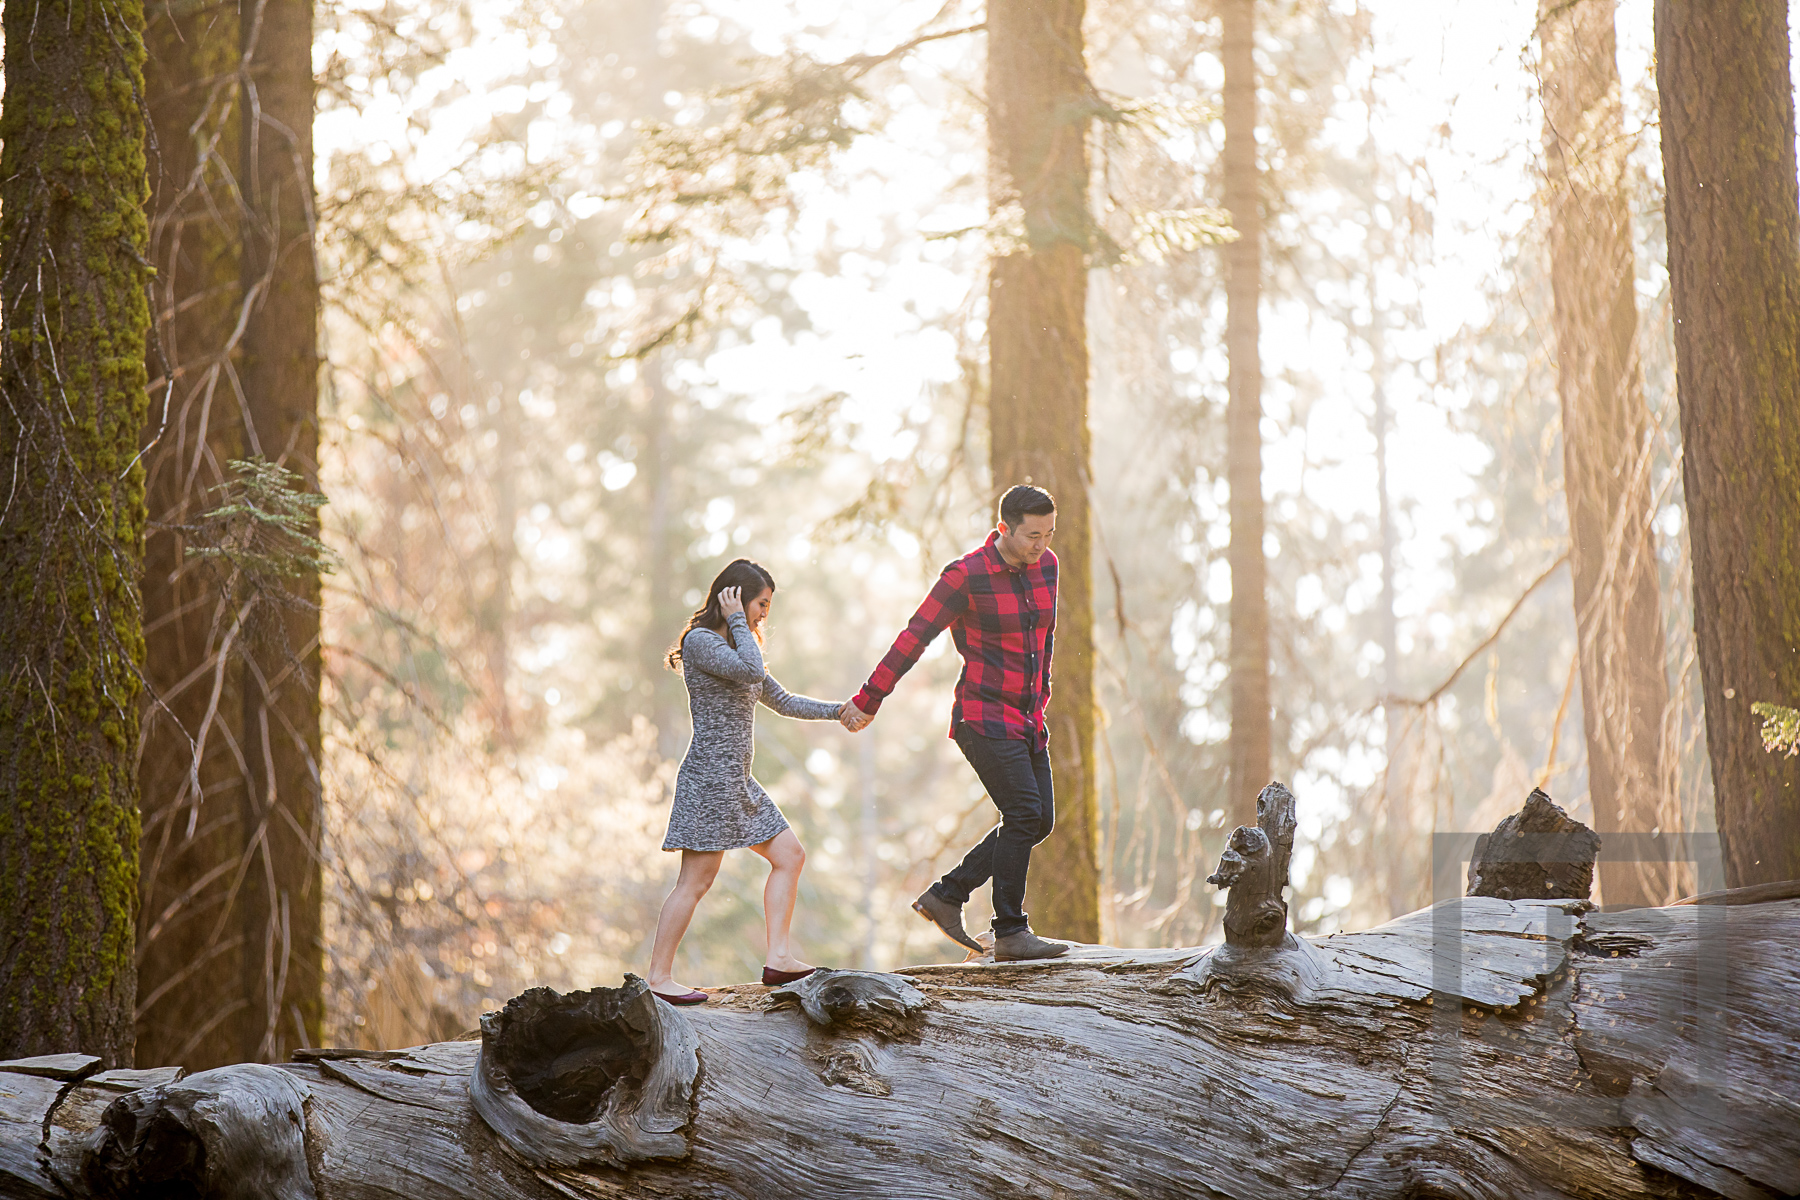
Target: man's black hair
[{"x": 1022, "y": 500}]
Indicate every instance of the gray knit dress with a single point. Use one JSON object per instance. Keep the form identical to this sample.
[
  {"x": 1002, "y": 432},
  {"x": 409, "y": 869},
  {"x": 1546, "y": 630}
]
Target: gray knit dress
[{"x": 718, "y": 806}]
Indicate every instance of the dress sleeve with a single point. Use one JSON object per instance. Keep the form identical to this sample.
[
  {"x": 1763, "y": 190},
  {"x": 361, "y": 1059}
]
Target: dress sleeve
[
  {"x": 800, "y": 708},
  {"x": 711, "y": 653}
]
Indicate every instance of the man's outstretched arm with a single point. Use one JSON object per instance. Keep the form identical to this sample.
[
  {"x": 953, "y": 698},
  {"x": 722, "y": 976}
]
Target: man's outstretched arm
[{"x": 947, "y": 600}]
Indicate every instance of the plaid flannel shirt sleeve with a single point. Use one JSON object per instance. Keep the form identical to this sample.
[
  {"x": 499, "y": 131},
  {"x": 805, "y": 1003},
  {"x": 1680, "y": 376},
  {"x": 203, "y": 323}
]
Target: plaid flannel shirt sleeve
[{"x": 947, "y": 600}]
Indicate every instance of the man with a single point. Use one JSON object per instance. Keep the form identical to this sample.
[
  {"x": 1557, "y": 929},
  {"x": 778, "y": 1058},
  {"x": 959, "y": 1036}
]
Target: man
[{"x": 999, "y": 603}]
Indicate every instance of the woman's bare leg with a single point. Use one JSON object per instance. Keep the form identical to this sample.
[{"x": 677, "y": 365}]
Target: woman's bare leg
[
  {"x": 786, "y": 858},
  {"x": 698, "y": 869}
]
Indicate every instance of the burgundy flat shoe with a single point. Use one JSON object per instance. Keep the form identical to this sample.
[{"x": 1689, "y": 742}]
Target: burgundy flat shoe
[
  {"x": 774, "y": 978},
  {"x": 684, "y": 998}
]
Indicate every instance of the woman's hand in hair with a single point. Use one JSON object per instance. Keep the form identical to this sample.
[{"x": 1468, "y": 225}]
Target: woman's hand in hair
[{"x": 731, "y": 600}]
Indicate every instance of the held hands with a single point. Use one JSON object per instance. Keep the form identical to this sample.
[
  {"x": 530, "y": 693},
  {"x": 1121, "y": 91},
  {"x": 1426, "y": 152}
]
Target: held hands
[
  {"x": 731, "y": 600},
  {"x": 853, "y": 718}
]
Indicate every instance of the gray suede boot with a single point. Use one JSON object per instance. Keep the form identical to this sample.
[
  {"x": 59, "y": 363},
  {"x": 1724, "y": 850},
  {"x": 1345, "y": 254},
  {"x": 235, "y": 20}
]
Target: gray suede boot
[
  {"x": 947, "y": 917},
  {"x": 1025, "y": 945}
]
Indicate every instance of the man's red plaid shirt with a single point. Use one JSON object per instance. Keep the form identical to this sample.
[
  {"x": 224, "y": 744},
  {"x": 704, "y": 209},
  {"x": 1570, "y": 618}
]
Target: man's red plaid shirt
[{"x": 1003, "y": 621}]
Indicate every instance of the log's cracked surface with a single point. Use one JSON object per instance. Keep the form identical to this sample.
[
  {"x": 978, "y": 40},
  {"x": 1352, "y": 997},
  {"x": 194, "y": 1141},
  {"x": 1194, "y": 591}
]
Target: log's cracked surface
[{"x": 1482, "y": 1048}]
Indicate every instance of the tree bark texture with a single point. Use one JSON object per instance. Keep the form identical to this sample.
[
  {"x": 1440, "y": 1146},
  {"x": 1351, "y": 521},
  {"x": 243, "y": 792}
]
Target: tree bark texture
[
  {"x": 1250, "y": 765},
  {"x": 1607, "y": 443},
  {"x": 280, "y": 913},
  {"x": 73, "y": 320},
  {"x": 1727, "y": 103},
  {"x": 231, "y": 886},
  {"x": 189, "y": 771},
  {"x": 1481, "y": 1048},
  {"x": 1040, "y": 104}
]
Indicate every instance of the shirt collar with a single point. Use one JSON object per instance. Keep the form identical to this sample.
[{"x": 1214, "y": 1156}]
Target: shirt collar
[{"x": 998, "y": 560}]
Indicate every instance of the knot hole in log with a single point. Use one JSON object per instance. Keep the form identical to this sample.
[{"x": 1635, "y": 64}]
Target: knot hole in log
[
  {"x": 564, "y": 1055},
  {"x": 605, "y": 1075}
]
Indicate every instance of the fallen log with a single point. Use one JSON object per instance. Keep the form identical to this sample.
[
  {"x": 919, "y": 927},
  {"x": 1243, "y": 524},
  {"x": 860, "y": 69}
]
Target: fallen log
[{"x": 1483, "y": 1047}]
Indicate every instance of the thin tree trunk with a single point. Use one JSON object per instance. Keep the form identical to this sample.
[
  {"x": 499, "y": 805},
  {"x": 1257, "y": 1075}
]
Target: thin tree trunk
[
  {"x": 190, "y": 809},
  {"x": 665, "y": 612},
  {"x": 73, "y": 320},
  {"x": 1727, "y": 102},
  {"x": 1039, "y": 108},
  {"x": 496, "y": 612},
  {"x": 1398, "y": 833},
  {"x": 1606, "y": 440},
  {"x": 1250, "y": 766},
  {"x": 280, "y": 900}
]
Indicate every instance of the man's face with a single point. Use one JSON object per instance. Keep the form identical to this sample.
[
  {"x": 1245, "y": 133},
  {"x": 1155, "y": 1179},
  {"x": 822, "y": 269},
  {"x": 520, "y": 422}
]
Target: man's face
[{"x": 1026, "y": 542}]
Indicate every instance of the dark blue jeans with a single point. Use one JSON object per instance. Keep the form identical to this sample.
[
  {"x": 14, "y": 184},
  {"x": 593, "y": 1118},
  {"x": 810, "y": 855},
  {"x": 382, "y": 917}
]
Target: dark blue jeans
[{"x": 1017, "y": 779}]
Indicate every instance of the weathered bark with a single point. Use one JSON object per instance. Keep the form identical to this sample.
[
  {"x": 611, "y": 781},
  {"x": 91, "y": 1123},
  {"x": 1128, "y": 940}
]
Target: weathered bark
[
  {"x": 189, "y": 771},
  {"x": 1482, "y": 1048},
  {"x": 1040, "y": 104},
  {"x": 1607, "y": 442},
  {"x": 1727, "y": 104},
  {"x": 73, "y": 320},
  {"x": 280, "y": 901},
  {"x": 1248, "y": 656}
]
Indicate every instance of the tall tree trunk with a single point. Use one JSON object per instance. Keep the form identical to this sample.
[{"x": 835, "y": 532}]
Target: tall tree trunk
[
  {"x": 1039, "y": 107},
  {"x": 1727, "y": 100},
  {"x": 73, "y": 321},
  {"x": 1250, "y": 766},
  {"x": 1606, "y": 439},
  {"x": 189, "y": 769},
  {"x": 280, "y": 913}
]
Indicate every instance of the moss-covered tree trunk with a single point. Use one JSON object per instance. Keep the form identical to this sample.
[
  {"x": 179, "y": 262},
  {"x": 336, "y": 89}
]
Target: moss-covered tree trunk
[
  {"x": 190, "y": 769},
  {"x": 1727, "y": 101},
  {"x": 1039, "y": 108},
  {"x": 1606, "y": 441},
  {"x": 280, "y": 913},
  {"x": 72, "y": 327},
  {"x": 1250, "y": 765}
]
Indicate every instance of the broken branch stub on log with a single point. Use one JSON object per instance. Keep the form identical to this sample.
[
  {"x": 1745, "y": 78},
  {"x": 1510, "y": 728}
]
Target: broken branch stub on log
[
  {"x": 232, "y": 1133},
  {"x": 1255, "y": 868},
  {"x": 854, "y": 1000},
  {"x": 1537, "y": 853}
]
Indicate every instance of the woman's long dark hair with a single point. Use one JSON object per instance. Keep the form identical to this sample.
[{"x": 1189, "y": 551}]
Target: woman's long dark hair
[{"x": 741, "y": 573}]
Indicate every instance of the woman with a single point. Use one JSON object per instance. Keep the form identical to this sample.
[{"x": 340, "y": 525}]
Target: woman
[{"x": 718, "y": 806}]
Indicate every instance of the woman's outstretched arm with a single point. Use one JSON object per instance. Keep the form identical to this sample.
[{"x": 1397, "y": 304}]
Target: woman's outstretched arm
[
  {"x": 801, "y": 708},
  {"x": 711, "y": 653}
]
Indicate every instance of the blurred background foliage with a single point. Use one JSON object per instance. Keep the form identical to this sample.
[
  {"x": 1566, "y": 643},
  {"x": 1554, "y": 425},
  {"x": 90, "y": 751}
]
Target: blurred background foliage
[{"x": 617, "y": 291}]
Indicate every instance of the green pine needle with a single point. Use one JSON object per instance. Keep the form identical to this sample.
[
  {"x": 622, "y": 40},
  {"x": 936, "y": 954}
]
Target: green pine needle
[{"x": 1781, "y": 728}]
